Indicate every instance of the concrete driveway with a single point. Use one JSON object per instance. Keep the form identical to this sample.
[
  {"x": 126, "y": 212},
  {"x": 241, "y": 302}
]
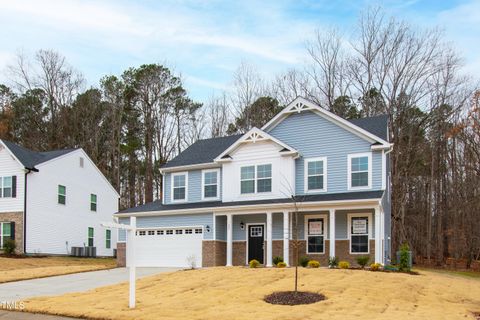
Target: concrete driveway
[{"x": 20, "y": 290}]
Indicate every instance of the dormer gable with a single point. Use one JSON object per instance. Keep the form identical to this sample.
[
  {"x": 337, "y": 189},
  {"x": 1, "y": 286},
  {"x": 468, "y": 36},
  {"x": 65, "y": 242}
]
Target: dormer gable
[{"x": 253, "y": 136}]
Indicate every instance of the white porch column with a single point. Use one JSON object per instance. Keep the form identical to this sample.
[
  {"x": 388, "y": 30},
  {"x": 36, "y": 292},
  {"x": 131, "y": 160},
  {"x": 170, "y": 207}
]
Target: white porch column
[
  {"x": 332, "y": 232},
  {"x": 286, "y": 236},
  {"x": 229, "y": 240},
  {"x": 378, "y": 229},
  {"x": 269, "y": 240}
]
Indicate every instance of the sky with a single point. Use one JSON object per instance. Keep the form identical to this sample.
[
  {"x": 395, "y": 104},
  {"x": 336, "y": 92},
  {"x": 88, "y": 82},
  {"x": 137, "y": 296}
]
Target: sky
[{"x": 205, "y": 41}]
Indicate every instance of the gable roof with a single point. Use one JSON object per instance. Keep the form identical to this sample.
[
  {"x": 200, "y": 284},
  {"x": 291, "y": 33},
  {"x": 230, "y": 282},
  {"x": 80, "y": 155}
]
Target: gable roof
[
  {"x": 202, "y": 151},
  {"x": 206, "y": 151},
  {"x": 301, "y": 104},
  {"x": 254, "y": 135},
  {"x": 29, "y": 158}
]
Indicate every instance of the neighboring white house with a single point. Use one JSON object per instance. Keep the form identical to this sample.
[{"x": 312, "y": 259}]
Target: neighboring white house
[{"x": 53, "y": 201}]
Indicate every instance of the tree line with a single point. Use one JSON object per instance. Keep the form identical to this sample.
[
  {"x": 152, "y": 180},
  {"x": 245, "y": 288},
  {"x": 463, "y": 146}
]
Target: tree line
[{"x": 133, "y": 123}]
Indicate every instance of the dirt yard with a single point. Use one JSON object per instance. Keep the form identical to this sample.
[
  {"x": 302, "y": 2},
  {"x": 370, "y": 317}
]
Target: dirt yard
[
  {"x": 14, "y": 269},
  {"x": 237, "y": 293}
]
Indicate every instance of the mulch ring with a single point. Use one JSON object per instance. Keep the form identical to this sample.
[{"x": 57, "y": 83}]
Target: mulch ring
[{"x": 292, "y": 298}]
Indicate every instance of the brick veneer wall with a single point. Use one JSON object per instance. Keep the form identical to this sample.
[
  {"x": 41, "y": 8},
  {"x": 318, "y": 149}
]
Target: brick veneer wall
[
  {"x": 121, "y": 254},
  {"x": 342, "y": 251},
  {"x": 213, "y": 253},
  {"x": 239, "y": 256},
  {"x": 16, "y": 217}
]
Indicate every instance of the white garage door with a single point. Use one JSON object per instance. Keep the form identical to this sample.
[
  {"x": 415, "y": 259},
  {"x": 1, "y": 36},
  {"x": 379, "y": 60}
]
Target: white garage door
[{"x": 169, "y": 247}]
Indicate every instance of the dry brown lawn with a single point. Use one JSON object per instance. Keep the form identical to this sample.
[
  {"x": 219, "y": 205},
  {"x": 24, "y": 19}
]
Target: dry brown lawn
[
  {"x": 237, "y": 293},
  {"x": 14, "y": 269}
]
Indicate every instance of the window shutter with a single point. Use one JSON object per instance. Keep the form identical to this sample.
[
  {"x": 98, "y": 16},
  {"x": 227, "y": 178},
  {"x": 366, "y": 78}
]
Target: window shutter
[
  {"x": 12, "y": 230},
  {"x": 14, "y": 186}
]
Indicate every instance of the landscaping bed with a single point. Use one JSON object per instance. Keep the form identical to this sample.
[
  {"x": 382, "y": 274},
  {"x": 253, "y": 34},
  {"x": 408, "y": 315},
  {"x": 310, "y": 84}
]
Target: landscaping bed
[
  {"x": 239, "y": 293},
  {"x": 26, "y": 267}
]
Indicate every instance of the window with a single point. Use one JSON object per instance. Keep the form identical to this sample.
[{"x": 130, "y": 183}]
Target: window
[
  {"x": 6, "y": 232},
  {"x": 188, "y": 231},
  {"x": 179, "y": 187},
  {"x": 256, "y": 179},
  {"x": 93, "y": 202},
  {"x": 198, "y": 231},
  {"x": 178, "y": 231},
  {"x": 315, "y": 233},
  {"x": 142, "y": 233},
  {"x": 7, "y": 187},
  {"x": 359, "y": 171},
  {"x": 151, "y": 232},
  {"x": 210, "y": 184},
  {"x": 90, "y": 237},
  {"x": 256, "y": 231},
  {"x": 247, "y": 179},
  {"x": 108, "y": 239},
  {"x": 62, "y": 194},
  {"x": 264, "y": 178},
  {"x": 169, "y": 231},
  {"x": 315, "y": 174},
  {"x": 359, "y": 231},
  {"x": 159, "y": 232}
]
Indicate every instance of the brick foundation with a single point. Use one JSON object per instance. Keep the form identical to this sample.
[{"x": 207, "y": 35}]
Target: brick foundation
[
  {"x": 342, "y": 251},
  {"x": 213, "y": 253},
  {"x": 16, "y": 217},
  {"x": 239, "y": 256},
  {"x": 277, "y": 248},
  {"x": 121, "y": 254}
]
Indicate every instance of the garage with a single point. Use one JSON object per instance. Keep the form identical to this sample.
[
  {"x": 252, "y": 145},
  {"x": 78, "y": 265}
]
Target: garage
[{"x": 169, "y": 247}]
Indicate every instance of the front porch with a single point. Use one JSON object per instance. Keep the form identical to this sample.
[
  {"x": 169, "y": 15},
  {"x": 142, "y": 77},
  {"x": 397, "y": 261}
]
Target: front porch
[{"x": 342, "y": 231}]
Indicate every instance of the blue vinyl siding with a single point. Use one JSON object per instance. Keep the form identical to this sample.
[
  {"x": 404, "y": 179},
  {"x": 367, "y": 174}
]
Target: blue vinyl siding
[
  {"x": 194, "y": 186},
  {"x": 221, "y": 228},
  {"x": 201, "y": 219},
  {"x": 313, "y": 136}
]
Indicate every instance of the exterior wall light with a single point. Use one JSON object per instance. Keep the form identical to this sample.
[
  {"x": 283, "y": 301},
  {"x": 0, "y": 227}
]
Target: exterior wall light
[
  {"x": 207, "y": 228},
  {"x": 242, "y": 226}
]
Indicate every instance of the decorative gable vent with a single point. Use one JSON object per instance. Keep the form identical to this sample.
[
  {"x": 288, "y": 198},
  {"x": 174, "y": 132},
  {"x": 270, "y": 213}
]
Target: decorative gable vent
[
  {"x": 81, "y": 162},
  {"x": 299, "y": 107},
  {"x": 254, "y": 137}
]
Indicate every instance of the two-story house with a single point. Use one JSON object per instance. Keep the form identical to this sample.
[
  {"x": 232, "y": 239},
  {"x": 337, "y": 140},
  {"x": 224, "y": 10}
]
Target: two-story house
[
  {"x": 307, "y": 174},
  {"x": 53, "y": 201}
]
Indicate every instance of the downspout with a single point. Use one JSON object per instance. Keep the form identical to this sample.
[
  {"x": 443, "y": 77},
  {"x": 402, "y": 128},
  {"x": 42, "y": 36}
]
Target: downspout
[{"x": 29, "y": 170}]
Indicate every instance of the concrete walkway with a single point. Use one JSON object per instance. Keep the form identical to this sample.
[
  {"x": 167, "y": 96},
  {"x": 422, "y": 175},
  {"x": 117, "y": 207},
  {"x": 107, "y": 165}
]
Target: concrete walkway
[
  {"x": 20, "y": 290},
  {"x": 9, "y": 315}
]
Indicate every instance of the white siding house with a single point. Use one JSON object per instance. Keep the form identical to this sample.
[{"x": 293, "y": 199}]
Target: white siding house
[{"x": 67, "y": 197}]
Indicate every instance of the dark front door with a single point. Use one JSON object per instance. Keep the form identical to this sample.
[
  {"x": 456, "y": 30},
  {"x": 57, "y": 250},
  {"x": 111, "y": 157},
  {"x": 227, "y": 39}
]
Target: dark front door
[{"x": 255, "y": 242}]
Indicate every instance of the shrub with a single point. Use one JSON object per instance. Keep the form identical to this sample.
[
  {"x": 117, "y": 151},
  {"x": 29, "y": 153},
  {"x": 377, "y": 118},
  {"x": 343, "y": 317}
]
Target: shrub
[
  {"x": 276, "y": 260},
  {"x": 313, "y": 264},
  {"x": 344, "y": 264},
  {"x": 9, "y": 247},
  {"x": 281, "y": 264},
  {"x": 404, "y": 258},
  {"x": 332, "y": 262},
  {"x": 362, "y": 261},
  {"x": 303, "y": 261},
  {"x": 375, "y": 266},
  {"x": 253, "y": 263}
]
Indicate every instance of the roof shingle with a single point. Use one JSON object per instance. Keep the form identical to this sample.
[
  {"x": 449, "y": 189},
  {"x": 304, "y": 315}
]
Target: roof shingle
[{"x": 29, "y": 158}]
